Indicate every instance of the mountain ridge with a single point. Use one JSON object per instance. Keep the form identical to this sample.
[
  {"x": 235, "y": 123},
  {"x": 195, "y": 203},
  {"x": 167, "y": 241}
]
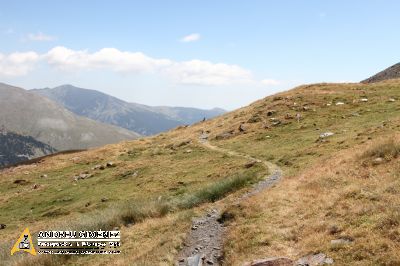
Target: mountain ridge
[
  {"x": 30, "y": 114},
  {"x": 144, "y": 119}
]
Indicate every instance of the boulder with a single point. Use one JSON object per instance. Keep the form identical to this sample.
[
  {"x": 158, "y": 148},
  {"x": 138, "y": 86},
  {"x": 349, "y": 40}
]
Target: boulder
[
  {"x": 377, "y": 161},
  {"x": 242, "y": 128}
]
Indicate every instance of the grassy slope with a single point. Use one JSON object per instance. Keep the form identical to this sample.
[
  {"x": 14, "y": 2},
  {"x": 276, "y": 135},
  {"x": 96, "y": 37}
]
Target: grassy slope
[{"x": 326, "y": 184}]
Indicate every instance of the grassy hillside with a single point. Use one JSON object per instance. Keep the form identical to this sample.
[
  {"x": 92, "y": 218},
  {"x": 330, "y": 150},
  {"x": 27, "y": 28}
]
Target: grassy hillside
[{"x": 343, "y": 185}]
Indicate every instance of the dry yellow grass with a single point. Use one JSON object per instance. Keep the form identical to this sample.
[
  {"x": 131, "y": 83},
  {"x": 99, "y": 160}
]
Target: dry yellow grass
[{"x": 337, "y": 197}]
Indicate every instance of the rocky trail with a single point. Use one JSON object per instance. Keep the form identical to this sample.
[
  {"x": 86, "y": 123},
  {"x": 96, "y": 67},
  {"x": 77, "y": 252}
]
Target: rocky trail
[{"x": 204, "y": 243}]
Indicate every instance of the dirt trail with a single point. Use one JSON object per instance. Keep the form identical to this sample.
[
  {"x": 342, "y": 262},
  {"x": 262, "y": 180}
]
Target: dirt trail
[{"x": 204, "y": 243}]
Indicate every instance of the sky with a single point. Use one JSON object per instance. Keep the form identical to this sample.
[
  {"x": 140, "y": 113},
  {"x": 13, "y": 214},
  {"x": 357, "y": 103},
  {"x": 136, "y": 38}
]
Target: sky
[{"x": 209, "y": 53}]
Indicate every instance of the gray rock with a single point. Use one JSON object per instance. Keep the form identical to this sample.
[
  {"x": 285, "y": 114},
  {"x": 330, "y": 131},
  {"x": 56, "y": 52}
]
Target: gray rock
[
  {"x": 194, "y": 261},
  {"x": 275, "y": 261},
  {"x": 314, "y": 259},
  {"x": 326, "y": 134},
  {"x": 377, "y": 161}
]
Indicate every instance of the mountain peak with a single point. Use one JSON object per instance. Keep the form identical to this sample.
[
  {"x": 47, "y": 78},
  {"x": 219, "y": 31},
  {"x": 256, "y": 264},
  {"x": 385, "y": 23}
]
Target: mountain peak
[{"x": 392, "y": 72}]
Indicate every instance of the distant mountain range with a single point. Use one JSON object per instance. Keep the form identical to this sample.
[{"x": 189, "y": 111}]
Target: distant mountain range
[
  {"x": 30, "y": 114},
  {"x": 143, "y": 119},
  {"x": 15, "y": 148},
  {"x": 392, "y": 72}
]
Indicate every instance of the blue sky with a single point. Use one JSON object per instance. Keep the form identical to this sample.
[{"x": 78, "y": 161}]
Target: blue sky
[{"x": 235, "y": 51}]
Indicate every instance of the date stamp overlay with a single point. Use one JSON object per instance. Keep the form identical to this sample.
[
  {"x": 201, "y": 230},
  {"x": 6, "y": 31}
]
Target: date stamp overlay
[{"x": 69, "y": 242}]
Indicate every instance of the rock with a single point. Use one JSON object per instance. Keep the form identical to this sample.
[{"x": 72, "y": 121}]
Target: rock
[
  {"x": 182, "y": 143},
  {"x": 43, "y": 176},
  {"x": 377, "y": 161},
  {"x": 340, "y": 103},
  {"x": 104, "y": 199},
  {"x": 2, "y": 226},
  {"x": 98, "y": 166},
  {"x": 314, "y": 259},
  {"x": 254, "y": 119},
  {"x": 334, "y": 230},
  {"x": 182, "y": 260},
  {"x": 276, "y": 123},
  {"x": 209, "y": 262},
  {"x": 326, "y": 134},
  {"x": 271, "y": 112},
  {"x": 288, "y": 116},
  {"x": 188, "y": 151},
  {"x": 194, "y": 260},
  {"x": 306, "y": 108},
  {"x": 242, "y": 128},
  {"x": 110, "y": 164},
  {"x": 250, "y": 164},
  {"x": 203, "y": 136},
  {"x": 224, "y": 135},
  {"x": 20, "y": 182},
  {"x": 35, "y": 186},
  {"x": 363, "y": 100},
  {"x": 392, "y": 100},
  {"x": 271, "y": 262}
]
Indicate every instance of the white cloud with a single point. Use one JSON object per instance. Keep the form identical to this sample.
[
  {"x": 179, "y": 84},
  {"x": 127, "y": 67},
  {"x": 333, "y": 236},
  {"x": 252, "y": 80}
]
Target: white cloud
[
  {"x": 191, "y": 37},
  {"x": 17, "y": 64},
  {"x": 40, "y": 37},
  {"x": 198, "y": 72},
  {"x": 194, "y": 72},
  {"x": 106, "y": 58},
  {"x": 270, "y": 82}
]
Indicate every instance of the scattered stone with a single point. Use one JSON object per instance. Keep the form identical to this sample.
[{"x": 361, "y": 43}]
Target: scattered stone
[
  {"x": 326, "y": 134},
  {"x": 328, "y": 104},
  {"x": 392, "y": 100},
  {"x": 2, "y": 226},
  {"x": 271, "y": 112},
  {"x": 209, "y": 262},
  {"x": 363, "y": 100},
  {"x": 242, "y": 128},
  {"x": 276, "y": 123},
  {"x": 277, "y": 98},
  {"x": 87, "y": 204},
  {"x": 21, "y": 182},
  {"x": 104, "y": 199},
  {"x": 250, "y": 164},
  {"x": 254, "y": 119},
  {"x": 224, "y": 135},
  {"x": 43, "y": 176},
  {"x": 288, "y": 116},
  {"x": 203, "y": 136},
  {"x": 275, "y": 261},
  {"x": 340, "y": 103},
  {"x": 306, "y": 108},
  {"x": 314, "y": 259},
  {"x": 98, "y": 166},
  {"x": 377, "y": 161},
  {"x": 110, "y": 164},
  {"x": 35, "y": 186},
  {"x": 188, "y": 151}
]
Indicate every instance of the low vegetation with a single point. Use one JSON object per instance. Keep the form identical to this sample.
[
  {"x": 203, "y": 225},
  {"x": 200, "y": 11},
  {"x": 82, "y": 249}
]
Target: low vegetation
[{"x": 159, "y": 184}]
